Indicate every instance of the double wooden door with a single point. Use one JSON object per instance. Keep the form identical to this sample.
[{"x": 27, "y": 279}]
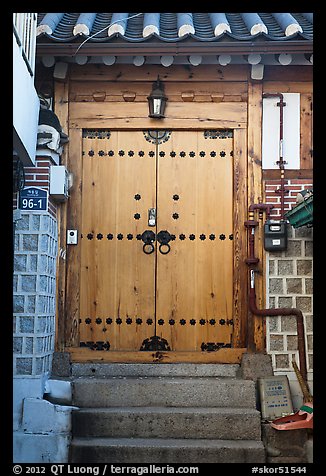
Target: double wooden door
[{"x": 156, "y": 266}]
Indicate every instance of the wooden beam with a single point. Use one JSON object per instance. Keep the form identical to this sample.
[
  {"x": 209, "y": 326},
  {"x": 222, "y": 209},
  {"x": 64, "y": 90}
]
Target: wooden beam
[
  {"x": 256, "y": 325},
  {"x": 277, "y": 73},
  {"x": 288, "y": 86},
  {"x": 82, "y": 91},
  {"x": 74, "y": 164},
  {"x": 61, "y": 108},
  {"x": 230, "y": 356},
  {"x": 306, "y": 145},
  {"x": 240, "y": 272},
  {"x": 149, "y": 72},
  {"x": 228, "y": 115},
  {"x": 274, "y": 174}
]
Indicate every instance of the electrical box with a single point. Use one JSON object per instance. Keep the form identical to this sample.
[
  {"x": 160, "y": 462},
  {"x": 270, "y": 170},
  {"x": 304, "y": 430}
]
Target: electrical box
[
  {"x": 59, "y": 182},
  {"x": 275, "y": 235},
  {"x": 275, "y": 397}
]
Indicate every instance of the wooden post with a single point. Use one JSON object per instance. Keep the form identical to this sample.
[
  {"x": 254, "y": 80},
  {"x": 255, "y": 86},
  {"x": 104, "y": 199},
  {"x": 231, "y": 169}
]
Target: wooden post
[
  {"x": 73, "y": 252},
  {"x": 306, "y": 131},
  {"x": 240, "y": 300},
  {"x": 61, "y": 107},
  {"x": 256, "y": 325}
]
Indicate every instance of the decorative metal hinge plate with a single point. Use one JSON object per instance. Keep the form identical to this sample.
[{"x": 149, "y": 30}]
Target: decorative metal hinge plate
[
  {"x": 96, "y": 134},
  {"x": 213, "y": 346},
  {"x": 218, "y": 134},
  {"x": 155, "y": 343},
  {"x": 98, "y": 345},
  {"x": 157, "y": 137}
]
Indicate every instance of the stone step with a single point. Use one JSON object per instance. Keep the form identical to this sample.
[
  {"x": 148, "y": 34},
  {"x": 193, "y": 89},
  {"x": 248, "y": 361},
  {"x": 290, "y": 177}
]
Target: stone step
[
  {"x": 163, "y": 392},
  {"x": 159, "y": 422},
  {"x": 165, "y": 451},
  {"x": 154, "y": 370}
]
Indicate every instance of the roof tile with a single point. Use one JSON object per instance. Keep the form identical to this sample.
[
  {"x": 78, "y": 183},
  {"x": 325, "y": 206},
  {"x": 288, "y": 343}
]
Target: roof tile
[{"x": 135, "y": 27}]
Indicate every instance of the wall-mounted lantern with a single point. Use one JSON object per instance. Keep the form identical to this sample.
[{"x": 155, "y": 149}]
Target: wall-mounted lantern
[{"x": 157, "y": 100}]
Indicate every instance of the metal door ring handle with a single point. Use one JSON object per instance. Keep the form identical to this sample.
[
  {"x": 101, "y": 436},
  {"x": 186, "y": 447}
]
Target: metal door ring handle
[
  {"x": 168, "y": 248},
  {"x": 151, "y": 249}
]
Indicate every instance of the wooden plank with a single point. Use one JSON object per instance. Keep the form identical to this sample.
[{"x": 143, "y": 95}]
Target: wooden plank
[
  {"x": 149, "y": 72},
  {"x": 274, "y": 174},
  {"x": 228, "y": 356},
  {"x": 306, "y": 146},
  {"x": 61, "y": 108},
  {"x": 291, "y": 73},
  {"x": 178, "y": 115},
  {"x": 304, "y": 87},
  {"x": 84, "y": 91},
  {"x": 73, "y": 251},
  {"x": 256, "y": 325},
  {"x": 240, "y": 286}
]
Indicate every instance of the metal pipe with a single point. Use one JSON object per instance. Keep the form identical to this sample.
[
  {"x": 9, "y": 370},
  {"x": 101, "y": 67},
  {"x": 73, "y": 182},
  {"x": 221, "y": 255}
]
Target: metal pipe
[
  {"x": 251, "y": 225},
  {"x": 282, "y": 311},
  {"x": 281, "y": 162},
  {"x": 262, "y": 207},
  {"x": 252, "y": 260}
]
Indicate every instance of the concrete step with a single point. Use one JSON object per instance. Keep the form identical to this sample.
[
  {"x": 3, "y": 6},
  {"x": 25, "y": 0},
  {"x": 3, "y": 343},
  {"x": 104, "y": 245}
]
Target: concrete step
[
  {"x": 163, "y": 392},
  {"x": 165, "y": 451},
  {"x": 104, "y": 370},
  {"x": 159, "y": 422}
]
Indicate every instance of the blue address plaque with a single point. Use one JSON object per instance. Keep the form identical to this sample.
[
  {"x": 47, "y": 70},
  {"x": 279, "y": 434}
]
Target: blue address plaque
[{"x": 33, "y": 199}]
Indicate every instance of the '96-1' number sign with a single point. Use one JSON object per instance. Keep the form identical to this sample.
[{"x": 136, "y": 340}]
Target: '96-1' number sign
[{"x": 33, "y": 199}]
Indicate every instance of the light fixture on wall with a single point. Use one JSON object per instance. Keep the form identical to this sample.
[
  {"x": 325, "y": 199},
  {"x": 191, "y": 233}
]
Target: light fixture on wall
[{"x": 157, "y": 100}]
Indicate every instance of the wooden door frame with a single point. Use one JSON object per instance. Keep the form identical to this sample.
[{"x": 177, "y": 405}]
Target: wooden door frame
[{"x": 129, "y": 116}]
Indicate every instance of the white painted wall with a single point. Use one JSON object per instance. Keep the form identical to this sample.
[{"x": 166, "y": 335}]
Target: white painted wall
[
  {"x": 25, "y": 108},
  {"x": 291, "y": 132}
]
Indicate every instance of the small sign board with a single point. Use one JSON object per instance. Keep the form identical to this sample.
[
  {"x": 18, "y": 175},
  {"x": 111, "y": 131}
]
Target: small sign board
[{"x": 33, "y": 199}]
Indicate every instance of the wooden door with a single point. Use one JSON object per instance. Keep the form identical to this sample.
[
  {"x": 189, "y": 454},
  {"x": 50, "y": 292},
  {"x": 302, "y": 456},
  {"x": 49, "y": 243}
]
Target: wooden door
[
  {"x": 117, "y": 285},
  {"x": 194, "y": 293},
  {"x": 180, "y": 297}
]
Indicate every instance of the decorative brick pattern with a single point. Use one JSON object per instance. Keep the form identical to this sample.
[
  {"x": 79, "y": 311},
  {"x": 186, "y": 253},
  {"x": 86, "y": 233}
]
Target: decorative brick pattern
[
  {"x": 34, "y": 293},
  {"x": 289, "y": 283}
]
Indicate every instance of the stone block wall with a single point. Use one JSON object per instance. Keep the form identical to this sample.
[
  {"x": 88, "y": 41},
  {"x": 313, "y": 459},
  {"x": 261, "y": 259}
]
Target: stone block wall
[
  {"x": 34, "y": 293},
  {"x": 290, "y": 284}
]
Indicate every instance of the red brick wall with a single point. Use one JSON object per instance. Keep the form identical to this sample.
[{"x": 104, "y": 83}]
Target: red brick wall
[
  {"x": 39, "y": 176},
  {"x": 292, "y": 187}
]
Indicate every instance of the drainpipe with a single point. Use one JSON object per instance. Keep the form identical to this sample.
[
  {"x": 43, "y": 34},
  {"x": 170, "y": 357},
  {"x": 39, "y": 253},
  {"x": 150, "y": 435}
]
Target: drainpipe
[{"x": 251, "y": 261}]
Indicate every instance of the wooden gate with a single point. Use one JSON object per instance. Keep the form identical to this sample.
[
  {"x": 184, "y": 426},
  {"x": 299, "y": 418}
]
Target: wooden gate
[{"x": 172, "y": 287}]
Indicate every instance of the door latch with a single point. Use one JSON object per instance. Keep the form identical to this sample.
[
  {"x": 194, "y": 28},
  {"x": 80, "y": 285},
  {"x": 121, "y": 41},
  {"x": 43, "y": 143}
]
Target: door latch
[
  {"x": 148, "y": 237},
  {"x": 151, "y": 216},
  {"x": 163, "y": 237}
]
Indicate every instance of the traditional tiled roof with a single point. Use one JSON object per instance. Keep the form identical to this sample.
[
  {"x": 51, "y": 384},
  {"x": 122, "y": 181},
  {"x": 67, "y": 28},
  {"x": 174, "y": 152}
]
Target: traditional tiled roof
[{"x": 174, "y": 27}]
